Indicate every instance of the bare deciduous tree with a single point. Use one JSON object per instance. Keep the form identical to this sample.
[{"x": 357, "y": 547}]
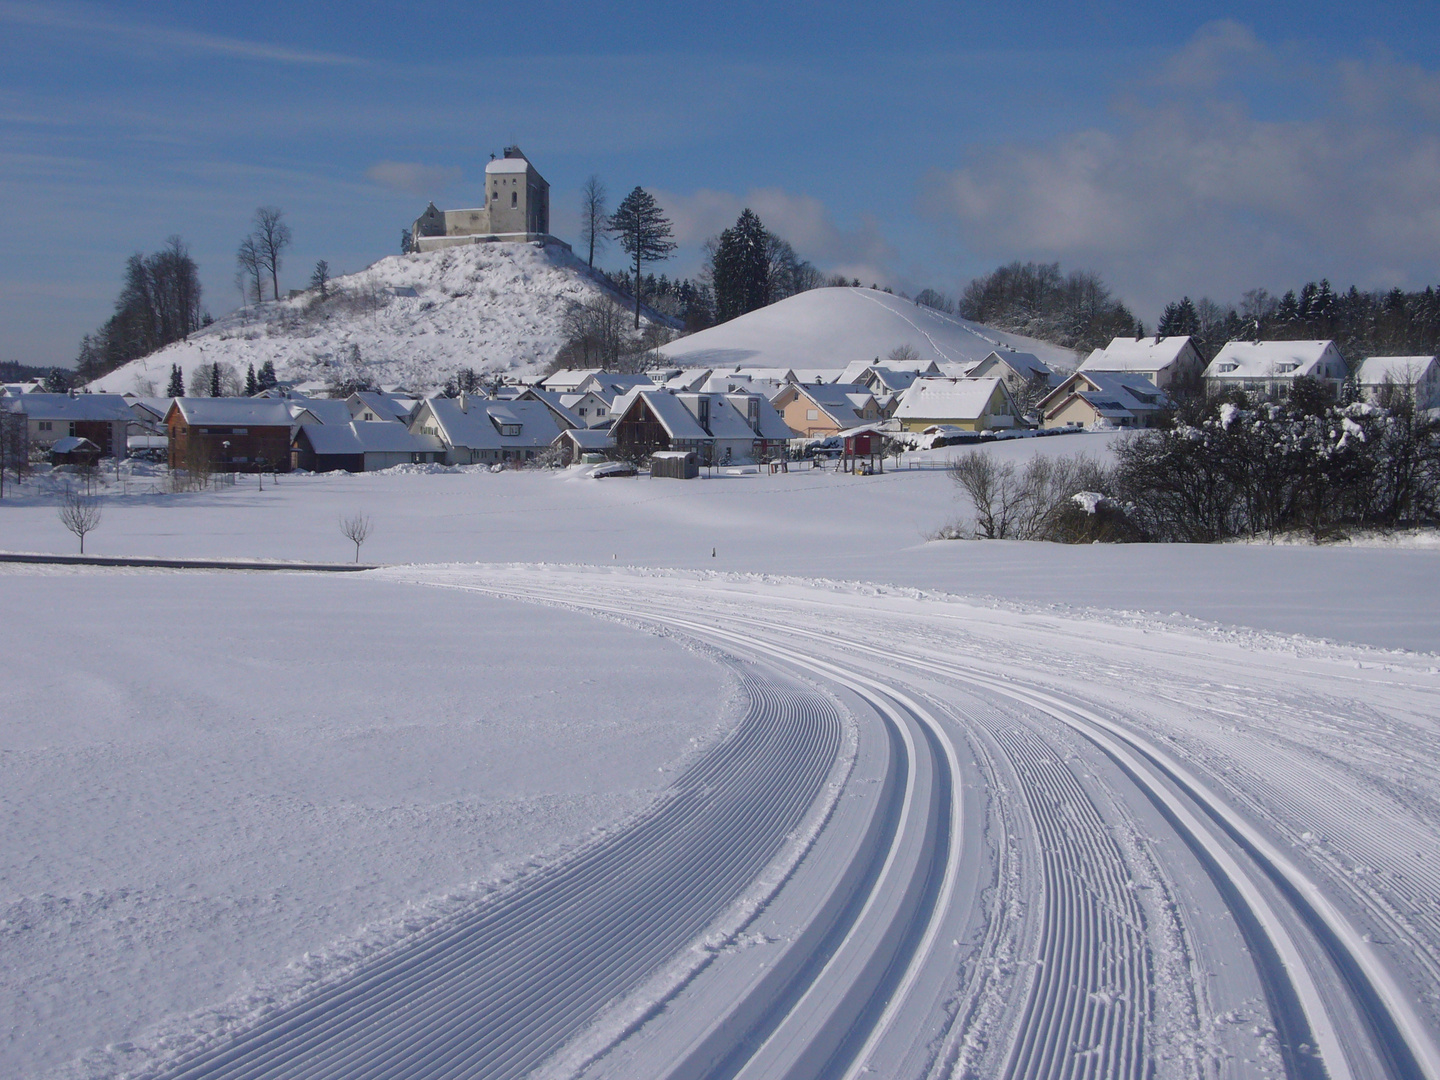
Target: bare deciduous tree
[
  {"x": 271, "y": 237},
  {"x": 356, "y": 528},
  {"x": 80, "y": 514},
  {"x": 251, "y": 271},
  {"x": 593, "y": 218},
  {"x": 905, "y": 354}
]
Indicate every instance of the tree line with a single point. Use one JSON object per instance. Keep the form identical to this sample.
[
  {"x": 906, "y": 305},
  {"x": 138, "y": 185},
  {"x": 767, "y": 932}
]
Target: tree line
[
  {"x": 1393, "y": 323},
  {"x": 159, "y": 303}
]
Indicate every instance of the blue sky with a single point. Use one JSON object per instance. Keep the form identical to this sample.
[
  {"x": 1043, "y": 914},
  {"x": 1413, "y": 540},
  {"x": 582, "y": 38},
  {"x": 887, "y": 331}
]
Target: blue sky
[{"x": 1175, "y": 148}]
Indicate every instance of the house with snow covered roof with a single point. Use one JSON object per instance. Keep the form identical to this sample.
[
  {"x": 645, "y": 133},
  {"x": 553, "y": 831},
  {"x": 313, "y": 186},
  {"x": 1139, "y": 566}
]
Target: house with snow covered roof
[
  {"x": 818, "y": 409},
  {"x": 717, "y": 428},
  {"x": 361, "y": 446},
  {"x": 368, "y": 406},
  {"x": 478, "y": 430},
  {"x": 1018, "y": 369},
  {"x": 971, "y": 404},
  {"x": 230, "y": 434},
  {"x": 573, "y": 444},
  {"x": 1165, "y": 361},
  {"x": 1273, "y": 366},
  {"x": 101, "y": 418},
  {"x": 863, "y": 372},
  {"x": 1103, "y": 399},
  {"x": 1380, "y": 377}
]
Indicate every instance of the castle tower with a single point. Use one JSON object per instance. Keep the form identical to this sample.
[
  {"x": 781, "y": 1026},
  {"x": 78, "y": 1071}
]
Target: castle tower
[{"x": 517, "y": 196}]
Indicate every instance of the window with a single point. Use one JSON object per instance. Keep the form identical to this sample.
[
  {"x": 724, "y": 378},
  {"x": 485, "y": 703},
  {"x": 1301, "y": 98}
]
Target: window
[
  {"x": 514, "y": 199},
  {"x": 812, "y": 414},
  {"x": 46, "y": 425},
  {"x": 704, "y": 404},
  {"x": 240, "y": 431}
]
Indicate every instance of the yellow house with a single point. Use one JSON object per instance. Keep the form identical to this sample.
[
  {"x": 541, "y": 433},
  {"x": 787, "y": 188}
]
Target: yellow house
[{"x": 971, "y": 404}]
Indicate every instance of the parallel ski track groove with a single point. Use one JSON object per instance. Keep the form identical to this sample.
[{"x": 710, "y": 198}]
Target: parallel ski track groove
[
  {"x": 495, "y": 990},
  {"x": 1398, "y": 1039},
  {"x": 1095, "y": 976}
]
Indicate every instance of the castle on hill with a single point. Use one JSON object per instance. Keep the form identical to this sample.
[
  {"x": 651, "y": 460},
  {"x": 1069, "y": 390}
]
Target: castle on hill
[{"x": 517, "y": 209}]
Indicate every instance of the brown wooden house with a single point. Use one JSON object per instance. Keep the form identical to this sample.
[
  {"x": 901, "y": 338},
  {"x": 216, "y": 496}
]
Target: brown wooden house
[{"x": 229, "y": 434}]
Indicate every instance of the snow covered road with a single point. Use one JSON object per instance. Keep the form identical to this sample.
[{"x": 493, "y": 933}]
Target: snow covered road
[{"x": 1121, "y": 850}]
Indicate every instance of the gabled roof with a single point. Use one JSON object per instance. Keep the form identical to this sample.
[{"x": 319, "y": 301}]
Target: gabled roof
[
  {"x": 38, "y": 406},
  {"x": 562, "y": 405},
  {"x": 678, "y": 421},
  {"x": 1273, "y": 359},
  {"x": 68, "y": 444},
  {"x": 1113, "y": 394},
  {"x": 249, "y": 412},
  {"x": 841, "y": 402},
  {"x": 390, "y": 406},
  {"x": 770, "y": 423},
  {"x": 320, "y": 410},
  {"x": 366, "y": 436},
  {"x": 1026, "y": 365},
  {"x": 588, "y": 438},
  {"x": 948, "y": 399},
  {"x": 1400, "y": 370},
  {"x": 1152, "y": 354},
  {"x": 568, "y": 379},
  {"x": 473, "y": 422}
]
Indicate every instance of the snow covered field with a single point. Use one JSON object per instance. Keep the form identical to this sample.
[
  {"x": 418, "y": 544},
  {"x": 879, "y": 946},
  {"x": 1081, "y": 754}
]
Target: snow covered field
[{"x": 1102, "y": 810}]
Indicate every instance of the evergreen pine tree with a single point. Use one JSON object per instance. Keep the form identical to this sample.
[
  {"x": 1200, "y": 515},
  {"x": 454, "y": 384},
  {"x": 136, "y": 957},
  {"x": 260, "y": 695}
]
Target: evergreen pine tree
[
  {"x": 215, "y": 380},
  {"x": 177, "y": 382},
  {"x": 741, "y": 268},
  {"x": 267, "y": 379},
  {"x": 644, "y": 233},
  {"x": 252, "y": 385}
]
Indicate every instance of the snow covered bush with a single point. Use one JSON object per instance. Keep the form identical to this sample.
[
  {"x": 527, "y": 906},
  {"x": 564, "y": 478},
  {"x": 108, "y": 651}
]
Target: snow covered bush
[{"x": 1272, "y": 467}]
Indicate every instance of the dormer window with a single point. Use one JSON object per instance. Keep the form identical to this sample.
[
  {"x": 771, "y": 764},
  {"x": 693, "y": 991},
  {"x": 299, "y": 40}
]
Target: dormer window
[
  {"x": 1227, "y": 367},
  {"x": 1285, "y": 369}
]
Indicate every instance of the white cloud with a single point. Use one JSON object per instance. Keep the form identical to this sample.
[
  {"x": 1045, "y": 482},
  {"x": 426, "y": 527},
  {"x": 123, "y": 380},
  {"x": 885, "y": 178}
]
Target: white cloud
[
  {"x": 1192, "y": 192},
  {"x": 412, "y": 178},
  {"x": 803, "y": 220},
  {"x": 86, "y": 19}
]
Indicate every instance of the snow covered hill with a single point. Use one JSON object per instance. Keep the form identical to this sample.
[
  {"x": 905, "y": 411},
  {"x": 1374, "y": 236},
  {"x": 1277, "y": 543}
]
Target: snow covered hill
[
  {"x": 411, "y": 319},
  {"x": 828, "y": 328}
]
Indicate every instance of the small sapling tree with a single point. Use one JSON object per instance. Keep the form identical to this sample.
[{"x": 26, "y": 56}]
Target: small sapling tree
[
  {"x": 80, "y": 514},
  {"x": 356, "y": 528}
]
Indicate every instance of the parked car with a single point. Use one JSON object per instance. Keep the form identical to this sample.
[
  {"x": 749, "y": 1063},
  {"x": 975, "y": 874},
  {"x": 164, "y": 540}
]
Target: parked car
[{"x": 614, "y": 468}]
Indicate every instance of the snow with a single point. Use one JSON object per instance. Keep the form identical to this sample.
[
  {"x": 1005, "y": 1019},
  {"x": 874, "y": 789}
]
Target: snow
[
  {"x": 414, "y": 319},
  {"x": 1147, "y": 354},
  {"x": 827, "y": 329},
  {"x": 214, "y": 786},
  {"x": 221, "y": 788}
]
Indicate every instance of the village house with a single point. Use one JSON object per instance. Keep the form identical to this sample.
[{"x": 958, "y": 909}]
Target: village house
[
  {"x": 367, "y": 406},
  {"x": 1101, "y": 399},
  {"x": 970, "y": 404},
  {"x": 1273, "y": 366},
  {"x": 103, "y": 419},
  {"x": 717, "y": 428},
  {"x": 477, "y": 430},
  {"x": 1018, "y": 369},
  {"x": 361, "y": 446},
  {"x": 229, "y": 434},
  {"x": 820, "y": 409},
  {"x": 1165, "y": 361},
  {"x": 1379, "y": 377}
]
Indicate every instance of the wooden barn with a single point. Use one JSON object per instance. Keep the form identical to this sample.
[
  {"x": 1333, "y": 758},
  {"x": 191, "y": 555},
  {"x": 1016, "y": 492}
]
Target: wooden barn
[
  {"x": 674, "y": 465},
  {"x": 229, "y": 434}
]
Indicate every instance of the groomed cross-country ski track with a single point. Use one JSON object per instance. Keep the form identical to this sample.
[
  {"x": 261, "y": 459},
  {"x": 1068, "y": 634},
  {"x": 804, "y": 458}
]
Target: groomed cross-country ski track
[{"x": 949, "y": 839}]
